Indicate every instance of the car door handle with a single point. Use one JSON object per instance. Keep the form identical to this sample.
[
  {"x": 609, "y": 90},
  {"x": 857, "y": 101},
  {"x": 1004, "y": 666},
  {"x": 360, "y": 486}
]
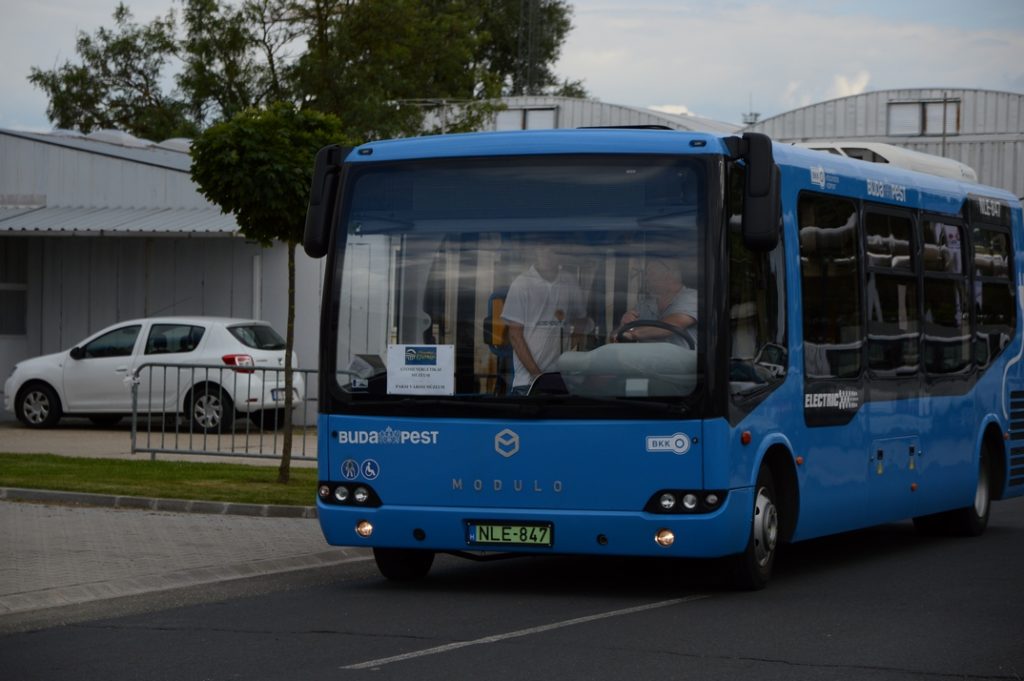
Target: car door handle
[{"x": 121, "y": 370}]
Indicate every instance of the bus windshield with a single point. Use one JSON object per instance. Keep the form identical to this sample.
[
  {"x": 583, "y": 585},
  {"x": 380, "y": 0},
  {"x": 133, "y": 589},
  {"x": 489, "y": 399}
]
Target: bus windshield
[{"x": 543, "y": 277}]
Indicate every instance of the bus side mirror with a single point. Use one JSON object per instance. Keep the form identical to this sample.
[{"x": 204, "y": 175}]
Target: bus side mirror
[
  {"x": 761, "y": 193},
  {"x": 322, "y": 197}
]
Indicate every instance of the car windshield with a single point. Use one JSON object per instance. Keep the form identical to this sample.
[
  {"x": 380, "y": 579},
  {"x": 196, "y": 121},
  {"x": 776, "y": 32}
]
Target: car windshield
[
  {"x": 258, "y": 337},
  {"x": 513, "y": 278}
]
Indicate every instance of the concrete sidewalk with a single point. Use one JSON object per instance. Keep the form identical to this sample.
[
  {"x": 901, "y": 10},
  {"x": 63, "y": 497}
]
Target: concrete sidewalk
[
  {"x": 55, "y": 556},
  {"x": 64, "y": 549},
  {"x": 77, "y": 437}
]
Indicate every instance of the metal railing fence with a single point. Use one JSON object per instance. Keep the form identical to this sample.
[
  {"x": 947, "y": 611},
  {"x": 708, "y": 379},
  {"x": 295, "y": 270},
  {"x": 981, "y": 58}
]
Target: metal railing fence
[{"x": 219, "y": 410}]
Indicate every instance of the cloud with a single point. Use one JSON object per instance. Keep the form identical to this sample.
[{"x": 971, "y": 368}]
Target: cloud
[
  {"x": 844, "y": 87},
  {"x": 674, "y": 109},
  {"x": 720, "y": 57}
]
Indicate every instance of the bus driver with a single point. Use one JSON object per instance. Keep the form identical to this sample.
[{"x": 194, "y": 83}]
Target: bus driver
[{"x": 668, "y": 300}]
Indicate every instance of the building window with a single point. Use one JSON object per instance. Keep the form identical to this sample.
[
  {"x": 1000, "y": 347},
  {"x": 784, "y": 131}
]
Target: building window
[
  {"x": 13, "y": 287},
  {"x": 527, "y": 119},
  {"x": 924, "y": 118}
]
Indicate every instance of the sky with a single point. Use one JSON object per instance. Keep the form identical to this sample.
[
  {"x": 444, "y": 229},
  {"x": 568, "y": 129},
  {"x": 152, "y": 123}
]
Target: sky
[{"x": 717, "y": 59}]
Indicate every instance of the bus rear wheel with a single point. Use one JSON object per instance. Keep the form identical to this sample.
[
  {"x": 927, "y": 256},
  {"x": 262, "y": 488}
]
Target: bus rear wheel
[
  {"x": 753, "y": 568},
  {"x": 969, "y": 521},
  {"x": 403, "y": 565}
]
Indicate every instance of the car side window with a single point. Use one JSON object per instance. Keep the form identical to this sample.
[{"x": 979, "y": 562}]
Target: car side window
[
  {"x": 173, "y": 338},
  {"x": 117, "y": 343}
]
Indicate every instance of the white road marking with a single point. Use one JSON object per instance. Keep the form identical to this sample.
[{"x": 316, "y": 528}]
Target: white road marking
[{"x": 524, "y": 632}]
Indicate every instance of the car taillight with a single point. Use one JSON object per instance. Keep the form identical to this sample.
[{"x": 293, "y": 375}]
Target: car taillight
[{"x": 239, "y": 361}]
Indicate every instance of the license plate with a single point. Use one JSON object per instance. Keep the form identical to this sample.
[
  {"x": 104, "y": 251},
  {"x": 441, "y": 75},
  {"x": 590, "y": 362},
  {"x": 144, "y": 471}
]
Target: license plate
[
  {"x": 509, "y": 534},
  {"x": 277, "y": 394}
]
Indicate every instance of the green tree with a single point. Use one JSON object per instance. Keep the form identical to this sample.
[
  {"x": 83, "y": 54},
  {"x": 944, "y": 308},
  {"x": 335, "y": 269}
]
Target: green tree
[
  {"x": 380, "y": 64},
  {"x": 258, "y": 165},
  {"x": 521, "y": 41},
  {"x": 221, "y": 75},
  {"x": 118, "y": 83}
]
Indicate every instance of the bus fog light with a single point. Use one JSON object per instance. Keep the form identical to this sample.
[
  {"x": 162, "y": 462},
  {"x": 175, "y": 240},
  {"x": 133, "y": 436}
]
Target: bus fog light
[
  {"x": 711, "y": 500},
  {"x": 341, "y": 494},
  {"x": 361, "y": 495},
  {"x": 690, "y": 502},
  {"x": 665, "y": 537},
  {"x": 364, "y": 528},
  {"x": 324, "y": 491},
  {"x": 667, "y": 501}
]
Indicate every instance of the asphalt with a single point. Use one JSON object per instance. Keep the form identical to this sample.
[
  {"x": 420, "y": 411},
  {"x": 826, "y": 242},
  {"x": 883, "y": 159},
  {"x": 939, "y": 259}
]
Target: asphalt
[{"x": 62, "y": 550}]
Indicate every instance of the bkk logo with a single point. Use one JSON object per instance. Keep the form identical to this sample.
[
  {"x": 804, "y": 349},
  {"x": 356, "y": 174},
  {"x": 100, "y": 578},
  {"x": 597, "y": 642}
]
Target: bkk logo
[
  {"x": 388, "y": 436},
  {"x": 678, "y": 443}
]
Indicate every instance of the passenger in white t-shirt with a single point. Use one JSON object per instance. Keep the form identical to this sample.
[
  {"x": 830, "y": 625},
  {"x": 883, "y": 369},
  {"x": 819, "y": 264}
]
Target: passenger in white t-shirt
[
  {"x": 667, "y": 300},
  {"x": 543, "y": 307}
]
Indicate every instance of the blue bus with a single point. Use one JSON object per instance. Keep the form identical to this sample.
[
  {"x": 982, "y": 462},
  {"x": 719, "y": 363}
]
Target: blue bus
[{"x": 739, "y": 344}]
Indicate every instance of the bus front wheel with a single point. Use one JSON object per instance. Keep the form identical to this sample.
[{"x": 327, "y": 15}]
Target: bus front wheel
[
  {"x": 403, "y": 565},
  {"x": 753, "y": 567}
]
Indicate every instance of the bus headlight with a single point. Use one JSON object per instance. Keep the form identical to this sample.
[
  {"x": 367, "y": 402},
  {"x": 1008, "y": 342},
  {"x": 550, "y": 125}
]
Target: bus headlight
[{"x": 685, "y": 501}]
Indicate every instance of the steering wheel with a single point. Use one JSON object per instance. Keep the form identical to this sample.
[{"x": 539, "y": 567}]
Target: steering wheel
[{"x": 620, "y": 334}]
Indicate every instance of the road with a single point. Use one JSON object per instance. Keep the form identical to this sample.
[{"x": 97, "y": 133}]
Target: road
[{"x": 878, "y": 604}]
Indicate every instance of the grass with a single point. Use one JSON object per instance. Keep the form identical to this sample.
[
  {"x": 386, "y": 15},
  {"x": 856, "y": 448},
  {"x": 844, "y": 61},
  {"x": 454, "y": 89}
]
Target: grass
[{"x": 233, "y": 483}]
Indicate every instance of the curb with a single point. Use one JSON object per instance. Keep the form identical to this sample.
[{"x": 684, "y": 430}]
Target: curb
[{"x": 154, "y": 504}]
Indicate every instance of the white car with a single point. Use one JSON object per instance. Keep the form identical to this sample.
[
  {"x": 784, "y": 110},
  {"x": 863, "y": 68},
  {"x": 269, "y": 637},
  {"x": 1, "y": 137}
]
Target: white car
[{"x": 209, "y": 368}]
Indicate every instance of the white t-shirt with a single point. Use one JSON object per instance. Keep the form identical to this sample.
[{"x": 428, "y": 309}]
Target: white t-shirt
[
  {"x": 546, "y": 310},
  {"x": 685, "y": 302}
]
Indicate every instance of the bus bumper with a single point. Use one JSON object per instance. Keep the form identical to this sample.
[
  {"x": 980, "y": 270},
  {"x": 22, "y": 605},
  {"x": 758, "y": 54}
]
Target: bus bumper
[{"x": 724, "y": 532}]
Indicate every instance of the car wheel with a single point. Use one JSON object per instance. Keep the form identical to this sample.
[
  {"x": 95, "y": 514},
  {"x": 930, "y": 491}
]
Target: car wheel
[
  {"x": 38, "y": 406},
  {"x": 211, "y": 410}
]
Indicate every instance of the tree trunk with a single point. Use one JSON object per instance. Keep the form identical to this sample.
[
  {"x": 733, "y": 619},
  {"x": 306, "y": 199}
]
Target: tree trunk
[{"x": 284, "y": 470}]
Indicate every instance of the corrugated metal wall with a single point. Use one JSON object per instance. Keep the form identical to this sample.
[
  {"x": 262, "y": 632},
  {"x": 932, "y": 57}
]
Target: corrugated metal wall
[
  {"x": 584, "y": 113},
  {"x": 990, "y": 139},
  {"x": 78, "y": 285}
]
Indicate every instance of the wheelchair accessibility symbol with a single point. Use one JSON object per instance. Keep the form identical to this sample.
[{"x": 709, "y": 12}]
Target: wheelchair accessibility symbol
[{"x": 371, "y": 469}]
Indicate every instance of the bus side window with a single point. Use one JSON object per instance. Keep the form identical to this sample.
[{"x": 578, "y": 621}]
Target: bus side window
[
  {"x": 833, "y": 331},
  {"x": 757, "y": 308},
  {"x": 894, "y": 330},
  {"x": 946, "y": 313},
  {"x": 995, "y": 301}
]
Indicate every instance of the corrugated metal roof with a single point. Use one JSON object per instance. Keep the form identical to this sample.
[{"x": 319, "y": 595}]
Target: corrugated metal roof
[
  {"x": 146, "y": 152},
  {"x": 118, "y": 220}
]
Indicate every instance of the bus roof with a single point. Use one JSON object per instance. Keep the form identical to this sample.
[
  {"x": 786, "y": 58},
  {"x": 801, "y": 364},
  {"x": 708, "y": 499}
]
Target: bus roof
[
  {"x": 538, "y": 142},
  {"x": 850, "y": 176}
]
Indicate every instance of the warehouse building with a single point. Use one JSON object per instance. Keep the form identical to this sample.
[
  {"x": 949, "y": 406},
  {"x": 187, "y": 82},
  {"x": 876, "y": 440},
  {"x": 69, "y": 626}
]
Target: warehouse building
[
  {"x": 981, "y": 128},
  {"x": 101, "y": 228}
]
